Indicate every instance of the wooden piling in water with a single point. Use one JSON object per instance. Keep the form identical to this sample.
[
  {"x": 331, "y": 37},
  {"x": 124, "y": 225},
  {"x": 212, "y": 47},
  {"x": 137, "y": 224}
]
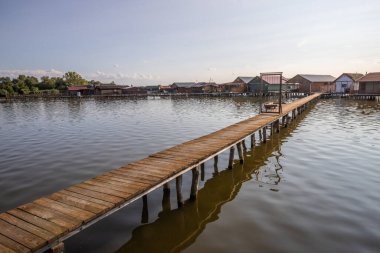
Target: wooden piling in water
[
  {"x": 216, "y": 160},
  {"x": 145, "y": 213},
  {"x": 252, "y": 140},
  {"x": 240, "y": 152},
  {"x": 277, "y": 126},
  {"x": 194, "y": 183},
  {"x": 265, "y": 134},
  {"x": 166, "y": 187},
  {"x": 231, "y": 159},
  {"x": 202, "y": 172},
  {"x": 243, "y": 144},
  {"x": 178, "y": 183},
  {"x": 260, "y": 135}
]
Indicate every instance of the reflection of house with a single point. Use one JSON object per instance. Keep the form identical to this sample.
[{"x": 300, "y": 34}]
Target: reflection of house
[
  {"x": 184, "y": 87},
  {"x": 314, "y": 83},
  {"x": 109, "y": 89},
  {"x": 369, "y": 84},
  {"x": 346, "y": 82},
  {"x": 79, "y": 90}
]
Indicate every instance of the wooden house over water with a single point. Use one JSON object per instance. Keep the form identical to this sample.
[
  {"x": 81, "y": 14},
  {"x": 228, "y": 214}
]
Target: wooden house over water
[
  {"x": 370, "y": 84},
  {"x": 347, "y": 83},
  {"x": 109, "y": 89},
  {"x": 269, "y": 84},
  {"x": 79, "y": 90},
  {"x": 314, "y": 83},
  {"x": 165, "y": 89},
  {"x": 182, "y": 87}
]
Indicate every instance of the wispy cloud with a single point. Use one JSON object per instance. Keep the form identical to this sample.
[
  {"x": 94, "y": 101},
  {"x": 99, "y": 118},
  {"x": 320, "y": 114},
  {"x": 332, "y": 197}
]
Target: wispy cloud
[
  {"x": 302, "y": 43},
  {"x": 123, "y": 77},
  {"x": 13, "y": 73}
]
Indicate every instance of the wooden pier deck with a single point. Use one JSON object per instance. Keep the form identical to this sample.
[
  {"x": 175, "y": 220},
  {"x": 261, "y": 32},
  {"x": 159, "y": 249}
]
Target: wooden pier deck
[{"x": 45, "y": 223}]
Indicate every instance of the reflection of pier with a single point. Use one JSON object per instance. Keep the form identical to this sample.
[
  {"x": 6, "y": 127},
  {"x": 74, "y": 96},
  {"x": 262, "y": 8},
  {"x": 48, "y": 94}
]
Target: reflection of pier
[
  {"x": 46, "y": 222},
  {"x": 176, "y": 229}
]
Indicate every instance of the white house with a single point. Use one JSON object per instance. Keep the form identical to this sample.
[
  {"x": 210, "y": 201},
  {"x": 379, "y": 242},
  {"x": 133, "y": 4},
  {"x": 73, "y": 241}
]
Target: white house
[{"x": 345, "y": 83}]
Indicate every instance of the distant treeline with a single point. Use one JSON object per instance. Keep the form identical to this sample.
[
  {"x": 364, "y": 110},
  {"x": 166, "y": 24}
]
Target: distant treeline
[{"x": 24, "y": 85}]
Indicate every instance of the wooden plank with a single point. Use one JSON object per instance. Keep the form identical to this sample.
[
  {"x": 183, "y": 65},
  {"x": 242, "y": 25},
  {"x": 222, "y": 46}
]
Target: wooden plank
[
  {"x": 97, "y": 195},
  {"x": 21, "y": 236},
  {"x": 44, "y": 234},
  {"x": 157, "y": 170},
  {"x": 92, "y": 200},
  {"x": 108, "y": 185},
  {"x": 79, "y": 203},
  {"x": 141, "y": 178},
  {"x": 12, "y": 245},
  {"x": 39, "y": 222},
  {"x": 56, "y": 217},
  {"x": 122, "y": 180},
  {"x": 146, "y": 171},
  {"x": 4, "y": 249},
  {"x": 72, "y": 211},
  {"x": 143, "y": 174},
  {"x": 144, "y": 180},
  {"x": 122, "y": 184},
  {"x": 101, "y": 189}
]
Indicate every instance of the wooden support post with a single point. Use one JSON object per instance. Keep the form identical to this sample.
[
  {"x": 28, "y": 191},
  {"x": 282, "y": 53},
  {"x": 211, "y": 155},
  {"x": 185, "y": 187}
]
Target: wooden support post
[
  {"x": 166, "y": 187},
  {"x": 260, "y": 135},
  {"x": 265, "y": 134},
  {"x": 178, "y": 183},
  {"x": 278, "y": 126},
  {"x": 252, "y": 140},
  {"x": 216, "y": 160},
  {"x": 145, "y": 214},
  {"x": 194, "y": 183},
  {"x": 240, "y": 152},
  {"x": 271, "y": 128},
  {"x": 283, "y": 121},
  {"x": 202, "y": 172},
  {"x": 166, "y": 205},
  {"x": 59, "y": 248},
  {"x": 216, "y": 164},
  {"x": 243, "y": 144},
  {"x": 231, "y": 160}
]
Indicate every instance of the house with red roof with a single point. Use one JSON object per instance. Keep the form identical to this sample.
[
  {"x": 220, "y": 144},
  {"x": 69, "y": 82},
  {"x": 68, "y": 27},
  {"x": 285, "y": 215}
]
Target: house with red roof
[{"x": 370, "y": 84}]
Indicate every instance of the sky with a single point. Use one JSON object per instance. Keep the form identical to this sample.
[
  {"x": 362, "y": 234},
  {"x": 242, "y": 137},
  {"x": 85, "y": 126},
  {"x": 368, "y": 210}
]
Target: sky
[{"x": 143, "y": 42}]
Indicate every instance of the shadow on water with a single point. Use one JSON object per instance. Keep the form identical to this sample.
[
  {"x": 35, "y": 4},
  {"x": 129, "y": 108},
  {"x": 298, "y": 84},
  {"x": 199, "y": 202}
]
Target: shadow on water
[{"x": 176, "y": 229}]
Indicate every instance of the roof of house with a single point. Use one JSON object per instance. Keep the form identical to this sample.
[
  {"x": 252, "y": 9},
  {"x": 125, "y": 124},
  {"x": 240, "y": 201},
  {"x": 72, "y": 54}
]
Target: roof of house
[
  {"x": 353, "y": 76},
  {"x": 183, "y": 84},
  {"x": 111, "y": 87},
  {"x": 370, "y": 77},
  {"x": 77, "y": 88},
  {"x": 274, "y": 79},
  {"x": 245, "y": 79},
  {"x": 318, "y": 78}
]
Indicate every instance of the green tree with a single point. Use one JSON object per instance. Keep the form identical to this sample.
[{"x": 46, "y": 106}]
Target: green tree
[
  {"x": 73, "y": 78},
  {"x": 46, "y": 83}
]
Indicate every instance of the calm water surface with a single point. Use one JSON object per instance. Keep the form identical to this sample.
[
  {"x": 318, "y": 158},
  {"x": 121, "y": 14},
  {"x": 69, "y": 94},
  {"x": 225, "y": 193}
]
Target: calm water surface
[{"x": 312, "y": 188}]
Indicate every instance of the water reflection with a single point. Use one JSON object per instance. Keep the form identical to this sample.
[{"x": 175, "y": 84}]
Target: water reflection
[{"x": 176, "y": 229}]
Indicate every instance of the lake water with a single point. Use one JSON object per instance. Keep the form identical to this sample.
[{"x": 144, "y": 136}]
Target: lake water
[{"x": 312, "y": 188}]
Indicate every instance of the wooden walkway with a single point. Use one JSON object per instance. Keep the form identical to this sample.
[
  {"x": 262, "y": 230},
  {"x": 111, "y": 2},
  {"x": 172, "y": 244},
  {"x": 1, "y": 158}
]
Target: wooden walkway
[{"x": 43, "y": 224}]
